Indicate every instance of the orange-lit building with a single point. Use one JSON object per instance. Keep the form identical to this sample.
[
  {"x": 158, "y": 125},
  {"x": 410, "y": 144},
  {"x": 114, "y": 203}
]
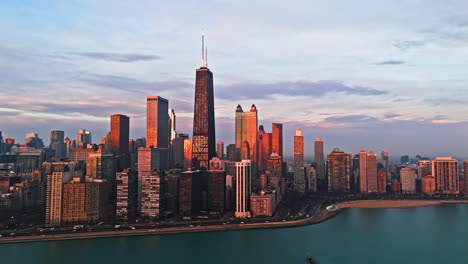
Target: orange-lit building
[
  {"x": 382, "y": 180},
  {"x": 157, "y": 124},
  {"x": 371, "y": 173},
  {"x": 338, "y": 164},
  {"x": 428, "y": 185},
  {"x": 277, "y": 139},
  {"x": 263, "y": 204},
  {"x": 445, "y": 171},
  {"x": 299, "y": 177}
]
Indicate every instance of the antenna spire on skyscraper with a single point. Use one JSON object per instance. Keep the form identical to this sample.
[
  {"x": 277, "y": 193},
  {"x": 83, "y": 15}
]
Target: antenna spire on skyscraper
[
  {"x": 203, "y": 50},
  {"x": 206, "y": 56}
]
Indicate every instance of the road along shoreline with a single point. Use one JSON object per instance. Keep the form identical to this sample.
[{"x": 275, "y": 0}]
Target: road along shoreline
[{"x": 322, "y": 215}]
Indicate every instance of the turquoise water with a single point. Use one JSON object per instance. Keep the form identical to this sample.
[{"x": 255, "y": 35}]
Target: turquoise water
[{"x": 417, "y": 235}]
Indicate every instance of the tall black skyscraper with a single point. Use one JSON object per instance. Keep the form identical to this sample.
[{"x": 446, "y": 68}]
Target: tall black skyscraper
[{"x": 204, "y": 142}]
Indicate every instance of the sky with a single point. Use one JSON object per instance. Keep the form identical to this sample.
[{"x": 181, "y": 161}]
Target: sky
[{"x": 369, "y": 75}]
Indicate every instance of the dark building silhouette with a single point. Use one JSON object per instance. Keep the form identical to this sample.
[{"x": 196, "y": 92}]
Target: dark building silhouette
[
  {"x": 119, "y": 135},
  {"x": 204, "y": 142}
]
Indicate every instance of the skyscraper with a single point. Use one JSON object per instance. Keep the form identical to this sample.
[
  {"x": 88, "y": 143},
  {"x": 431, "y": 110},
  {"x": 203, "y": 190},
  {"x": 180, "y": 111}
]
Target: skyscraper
[
  {"x": 188, "y": 144},
  {"x": 264, "y": 148},
  {"x": 157, "y": 124},
  {"x": 151, "y": 194},
  {"x": 299, "y": 177},
  {"x": 319, "y": 160},
  {"x": 172, "y": 125},
  {"x": 57, "y": 143},
  {"x": 362, "y": 172},
  {"x": 371, "y": 170},
  {"x": 445, "y": 170},
  {"x": 338, "y": 164},
  {"x": 127, "y": 189},
  {"x": 204, "y": 141},
  {"x": 220, "y": 149},
  {"x": 386, "y": 164},
  {"x": 277, "y": 138},
  {"x": 119, "y": 135},
  {"x": 243, "y": 174},
  {"x": 83, "y": 138},
  {"x": 120, "y": 129},
  {"x": 246, "y": 131}
]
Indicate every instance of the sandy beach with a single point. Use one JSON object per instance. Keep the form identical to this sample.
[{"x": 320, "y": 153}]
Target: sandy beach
[{"x": 396, "y": 203}]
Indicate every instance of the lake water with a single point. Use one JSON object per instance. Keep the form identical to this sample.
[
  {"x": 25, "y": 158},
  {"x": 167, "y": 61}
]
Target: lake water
[{"x": 436, "y": 234}]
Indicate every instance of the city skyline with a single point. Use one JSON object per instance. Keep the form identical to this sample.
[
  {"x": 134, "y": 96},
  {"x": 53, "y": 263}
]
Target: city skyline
[{"x": 407, "y": 81}]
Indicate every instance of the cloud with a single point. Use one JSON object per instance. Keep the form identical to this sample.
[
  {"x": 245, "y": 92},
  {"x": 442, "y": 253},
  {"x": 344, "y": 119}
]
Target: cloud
[
  {"x": 409, "y": 44},
  {"x": 444, "y": 101},
  {"x": 350, "y": 119},
  {"x": 390, "y": 116},
  {"x": 390, "y": 62},
  {"x": 440, "y": 118},
  {"x": 117, "y": 57},
  {"x": 288, "y": 88},
  {"x": 401, "y": 100}
]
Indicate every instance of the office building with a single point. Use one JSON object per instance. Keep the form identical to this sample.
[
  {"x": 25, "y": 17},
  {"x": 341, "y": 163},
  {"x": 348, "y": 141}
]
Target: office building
[
  {"x": 57, "y": 143},
  {"x": 188, "y": 143},
  {"x": 204, "y": 140},
  {"x": 299, "y": 170},
  {"x": 157, "y": 125},
  {"x": 319, "y": 160},
  {"x": 264, "y": 148},
  {"x": 190, "y": 193},
  {"x": 386, "y": 165},
  {"x": 119, "y": 137},
  {"x": 277, "y": 138},
  {"x": 83, "y": 138},
  {"x": 246, "y": 131},
  {"x": 220, "y": 149}
]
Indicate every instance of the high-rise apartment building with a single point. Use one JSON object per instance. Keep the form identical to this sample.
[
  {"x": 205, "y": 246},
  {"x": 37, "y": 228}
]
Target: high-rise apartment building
[
  {"x": 243, "y": 174},
  {"x": 127, "y": 192},
  {"x": 445, "y": 170},
  {"x": 428, "y": 185},
  {"x": 362, "y": 172},
  {"x": 299, "y": 177},
  {"x": 371, "y": 170},
  {"x": 338, "y": 164},
  {"x": 53, "y": 215},
  {"x": 204, "y": 140},
  {"x": 151, "y": 194},
  {"x": 408, "y": 180},
  {"x": 382, "y": 180}
]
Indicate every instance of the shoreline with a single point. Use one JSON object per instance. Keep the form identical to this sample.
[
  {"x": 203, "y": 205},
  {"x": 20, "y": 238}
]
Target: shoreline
[
  {"x": 322, "y": 215},
  {"x": 389, "y": 204}
]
